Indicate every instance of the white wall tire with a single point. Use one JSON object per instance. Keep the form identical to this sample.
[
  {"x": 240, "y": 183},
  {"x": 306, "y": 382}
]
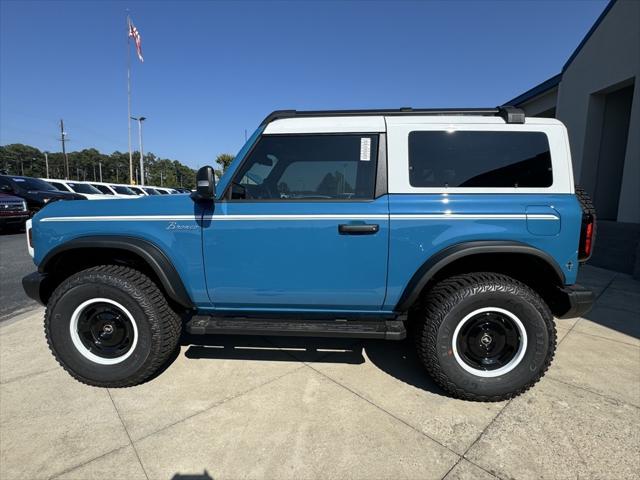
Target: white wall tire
[
  {"x": 84, "y": 303},
  {"x": 453, "y": 305}
]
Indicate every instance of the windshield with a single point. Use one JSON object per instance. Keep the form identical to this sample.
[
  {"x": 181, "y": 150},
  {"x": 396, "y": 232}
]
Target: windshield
[
  {"x": 151, "y": 191},
  {"x": 136, "y": 190},
  {"x": 34, "y": 184},
  {"x": 104, "y": 189},
  {"x": 84, "y": 188},
  {"x": 123, "y": 190}
]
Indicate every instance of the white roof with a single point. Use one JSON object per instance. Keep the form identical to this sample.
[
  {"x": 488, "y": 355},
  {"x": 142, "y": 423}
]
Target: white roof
[
  {"x": 378, "y": 123},
  {"x": 327, "y": 125}
]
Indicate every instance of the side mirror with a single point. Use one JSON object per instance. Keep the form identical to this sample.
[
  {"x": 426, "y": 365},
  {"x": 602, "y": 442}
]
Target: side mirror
[{"x": 205, "y": 185}]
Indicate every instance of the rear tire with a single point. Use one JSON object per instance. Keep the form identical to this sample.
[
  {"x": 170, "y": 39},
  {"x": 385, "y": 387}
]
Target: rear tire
[
  {"x": 485, "y": 336},
  {"x": 110, "y": 326}
]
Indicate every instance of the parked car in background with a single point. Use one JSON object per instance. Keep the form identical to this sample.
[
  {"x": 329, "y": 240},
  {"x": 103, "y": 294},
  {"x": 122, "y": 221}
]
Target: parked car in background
[
  {"x": 107, "y": 189},
  {"x": 150, "y": 191},
  {"x": 87, "y": 191},
  {"x": 13, "y": 212},
  {"x": 137, "y": 190},
  {"x": 165, "y": 190},
  {"x": 123, "y": 190},
  {"x": 37, "y": 193}
]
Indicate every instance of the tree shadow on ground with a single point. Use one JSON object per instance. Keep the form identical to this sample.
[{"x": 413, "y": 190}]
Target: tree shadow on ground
[{"x": 396, "y": 358}]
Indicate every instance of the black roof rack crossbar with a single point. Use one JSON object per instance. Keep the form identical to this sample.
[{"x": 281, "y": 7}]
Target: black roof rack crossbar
[{"x": 508, "y": 113}]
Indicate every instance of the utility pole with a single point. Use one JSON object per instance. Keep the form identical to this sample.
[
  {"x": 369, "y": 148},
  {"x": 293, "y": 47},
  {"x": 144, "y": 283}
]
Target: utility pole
[
  {"x": 94, "y": 172},
  {"x": 22, "y": 167},
  {"x": 46, "y": 162},
  {"x": 140, "y": 120},
  {"x": 161, "y": 179},
  {"x": 100, "y": 170},
  {"x": 63, "y": 139}
]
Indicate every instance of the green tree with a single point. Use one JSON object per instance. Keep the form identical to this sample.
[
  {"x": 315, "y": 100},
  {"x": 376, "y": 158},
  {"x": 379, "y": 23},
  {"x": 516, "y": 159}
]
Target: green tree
[
  {"x": 224, "y": 160},
  {"x": 18, "y": 159}
]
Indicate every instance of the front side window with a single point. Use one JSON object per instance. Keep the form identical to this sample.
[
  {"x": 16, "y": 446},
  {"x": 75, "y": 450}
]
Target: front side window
[
  {"x": 479, "y": 159},
  {"x": 309, "y": 167}
]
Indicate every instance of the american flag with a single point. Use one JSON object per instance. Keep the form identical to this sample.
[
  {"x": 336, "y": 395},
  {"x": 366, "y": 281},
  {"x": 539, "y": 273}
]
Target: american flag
[{"x": 133, "y": 33}]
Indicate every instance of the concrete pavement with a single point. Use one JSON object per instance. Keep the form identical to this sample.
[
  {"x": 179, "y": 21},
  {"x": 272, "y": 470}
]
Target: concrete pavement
[{"x": 255, "y": 407}]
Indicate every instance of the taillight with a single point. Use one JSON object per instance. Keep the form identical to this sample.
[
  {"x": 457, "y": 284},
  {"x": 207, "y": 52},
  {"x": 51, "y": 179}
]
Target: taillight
[{"x": 587, "y": 237}]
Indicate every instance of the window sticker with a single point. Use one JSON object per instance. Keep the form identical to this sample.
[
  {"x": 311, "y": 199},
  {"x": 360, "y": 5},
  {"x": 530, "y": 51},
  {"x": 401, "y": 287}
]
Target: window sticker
[{"x": 365, "y": 149}]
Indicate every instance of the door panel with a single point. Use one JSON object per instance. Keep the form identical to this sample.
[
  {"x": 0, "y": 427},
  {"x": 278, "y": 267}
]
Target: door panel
[{"x": 280, "y": 255}]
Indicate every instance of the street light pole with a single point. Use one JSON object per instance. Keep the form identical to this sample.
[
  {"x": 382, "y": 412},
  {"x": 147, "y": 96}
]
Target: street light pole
[
  {"x": 46, "y": 162},
  {"x": 140, "y": 120}
]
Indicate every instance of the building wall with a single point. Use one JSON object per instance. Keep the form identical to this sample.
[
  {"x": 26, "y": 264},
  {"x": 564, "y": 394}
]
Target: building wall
[
  {"x": 540, "y": 105},
  {"x": 607, "y": 62}
]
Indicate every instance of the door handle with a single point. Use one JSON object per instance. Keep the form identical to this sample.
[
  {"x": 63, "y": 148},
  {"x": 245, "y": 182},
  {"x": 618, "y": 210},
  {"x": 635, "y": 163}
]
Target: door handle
[{"x": 358, "y": 228}]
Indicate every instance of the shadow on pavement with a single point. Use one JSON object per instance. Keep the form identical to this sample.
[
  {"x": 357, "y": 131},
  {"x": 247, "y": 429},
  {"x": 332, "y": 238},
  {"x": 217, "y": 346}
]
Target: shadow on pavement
[
  {"x": 622, "y": 321},
  {"x": 396, "y": 358},
  {"x": 196, "y": 476}
]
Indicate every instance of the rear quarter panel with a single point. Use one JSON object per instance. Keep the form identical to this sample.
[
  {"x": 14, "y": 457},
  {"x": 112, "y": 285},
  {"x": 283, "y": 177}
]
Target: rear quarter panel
[{"x": 423, "y": 225}]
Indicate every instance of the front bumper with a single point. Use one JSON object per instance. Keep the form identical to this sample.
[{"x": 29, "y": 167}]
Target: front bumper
[
  {"x": 578, "y": 299},
  {"x": 32, "y": 285}
]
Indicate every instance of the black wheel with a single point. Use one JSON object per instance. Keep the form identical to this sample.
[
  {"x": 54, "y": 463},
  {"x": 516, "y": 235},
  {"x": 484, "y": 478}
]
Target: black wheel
[
  {"x": 485, "y": 336},
  {"x": 110, "y": 326}
]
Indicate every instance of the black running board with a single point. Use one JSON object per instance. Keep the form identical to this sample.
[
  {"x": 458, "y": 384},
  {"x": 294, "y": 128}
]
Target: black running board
[{"x": 384, "y": 329}]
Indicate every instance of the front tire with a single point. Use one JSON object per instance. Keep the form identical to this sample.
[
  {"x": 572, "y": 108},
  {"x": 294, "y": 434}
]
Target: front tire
[
  {"x": 485, "y": 336},
  {"x": 110, "y": 326}
]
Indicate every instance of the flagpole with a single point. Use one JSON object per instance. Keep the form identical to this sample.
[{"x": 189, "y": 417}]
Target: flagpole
[{"x": 129, "y": 98}]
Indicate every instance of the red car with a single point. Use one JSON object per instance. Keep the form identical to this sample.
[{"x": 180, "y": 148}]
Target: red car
[{"x": 13, "y": 211}]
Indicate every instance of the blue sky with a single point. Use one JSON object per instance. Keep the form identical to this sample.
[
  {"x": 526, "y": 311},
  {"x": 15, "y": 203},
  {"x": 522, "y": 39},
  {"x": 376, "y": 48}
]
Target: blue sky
[{"x": 214, "y": 69}]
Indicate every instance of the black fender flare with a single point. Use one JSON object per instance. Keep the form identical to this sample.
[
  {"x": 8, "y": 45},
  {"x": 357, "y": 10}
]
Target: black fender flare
[
  {"x": 155, "y": 258},
  {"x": 460, "y": 250}
]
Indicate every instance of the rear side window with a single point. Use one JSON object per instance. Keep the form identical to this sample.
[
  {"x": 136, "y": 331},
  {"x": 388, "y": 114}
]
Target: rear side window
[{"x": 479, "y": 159}]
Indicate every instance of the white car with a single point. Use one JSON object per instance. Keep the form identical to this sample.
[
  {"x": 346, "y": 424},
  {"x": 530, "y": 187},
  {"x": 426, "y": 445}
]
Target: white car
[
  {"x": 108, "y": 189},
  {"x": 163, "y": 190},
  {"x": 86, "y": 190},
  {"x": 137, "y": 190}
]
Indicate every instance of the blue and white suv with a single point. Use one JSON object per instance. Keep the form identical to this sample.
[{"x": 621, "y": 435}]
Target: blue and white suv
[{"x": 462, "y": 226}]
